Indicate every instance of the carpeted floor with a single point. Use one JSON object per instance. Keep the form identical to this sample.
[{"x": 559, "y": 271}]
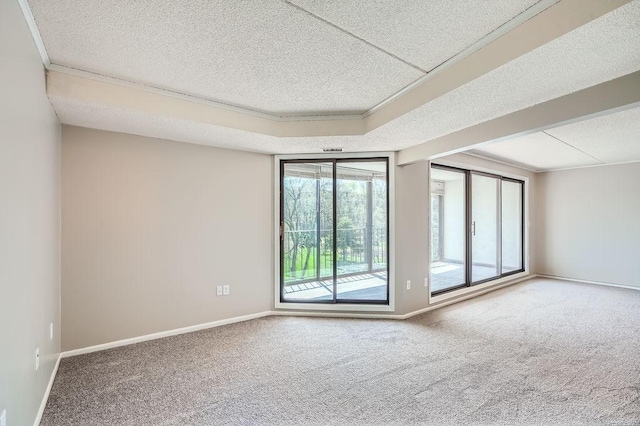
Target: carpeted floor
[{"x": 540, "y": 352}]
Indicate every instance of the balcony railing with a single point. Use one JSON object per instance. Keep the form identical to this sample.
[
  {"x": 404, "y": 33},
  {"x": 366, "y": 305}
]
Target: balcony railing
[{"x": 308, "y": 255}]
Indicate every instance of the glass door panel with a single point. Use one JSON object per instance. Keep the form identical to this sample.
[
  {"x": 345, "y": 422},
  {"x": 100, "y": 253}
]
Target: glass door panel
[
  {"x": 448, "y": 229},
  {"x": 361, "y": 230},
  {"x": 485, "y": 237},
  {"x": 307, "y": 231},
  {"x": 512, "y": 218}
]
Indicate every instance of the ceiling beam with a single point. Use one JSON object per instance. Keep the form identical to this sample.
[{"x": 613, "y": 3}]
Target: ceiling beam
[
  {"x": 551, "y": 23},
  {"x": 605, "y": 98}
]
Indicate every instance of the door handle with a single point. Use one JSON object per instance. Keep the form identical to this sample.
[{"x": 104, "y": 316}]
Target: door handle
[{"x": 473, "y": 228}]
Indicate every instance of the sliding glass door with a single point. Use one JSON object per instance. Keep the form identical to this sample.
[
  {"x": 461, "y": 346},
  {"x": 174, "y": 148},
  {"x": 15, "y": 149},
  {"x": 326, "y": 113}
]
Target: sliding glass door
[
  {"x": 448, "y": 229},
  {"x": 334, "y": 231},
  {"x": 512, "y": 225},
  {"x": 485, "y": 238},
  {"x": 477, "y": 227}
]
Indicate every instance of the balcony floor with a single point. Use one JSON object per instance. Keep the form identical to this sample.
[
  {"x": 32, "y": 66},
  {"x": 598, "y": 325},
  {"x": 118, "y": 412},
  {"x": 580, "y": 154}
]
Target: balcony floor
[
  {"x": 446, "y": 274},
  {"x": 370, "y": 286}
]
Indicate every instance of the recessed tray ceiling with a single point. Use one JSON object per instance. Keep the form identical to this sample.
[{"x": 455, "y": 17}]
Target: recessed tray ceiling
[
  {"x": 265, "y": 55},
  {"x": 269, "y": 55}
]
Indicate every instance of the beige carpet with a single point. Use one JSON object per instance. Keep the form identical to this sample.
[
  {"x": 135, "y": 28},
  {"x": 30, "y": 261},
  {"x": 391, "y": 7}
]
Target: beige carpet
[{"x": 540, "y": 352}]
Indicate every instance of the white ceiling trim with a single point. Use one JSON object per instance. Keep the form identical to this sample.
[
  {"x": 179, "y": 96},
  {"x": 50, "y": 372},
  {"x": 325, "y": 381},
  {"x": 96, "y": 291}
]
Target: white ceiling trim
[
  {"x": 544, "y": 21},
  {"x": 589, "y": 166},
  {"x": 35, "y": 33}
]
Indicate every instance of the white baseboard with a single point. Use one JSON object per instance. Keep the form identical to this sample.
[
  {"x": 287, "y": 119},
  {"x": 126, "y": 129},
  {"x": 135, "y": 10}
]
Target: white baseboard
[
  {"x": 162, "y": 334},
  {"x": 45, "y": 397},
  {"x": 233, "y": 320},
  {"x": 575, "y": 280},
  {"x": 467, "y": 296},
  {"x": 219, "y": 323}
]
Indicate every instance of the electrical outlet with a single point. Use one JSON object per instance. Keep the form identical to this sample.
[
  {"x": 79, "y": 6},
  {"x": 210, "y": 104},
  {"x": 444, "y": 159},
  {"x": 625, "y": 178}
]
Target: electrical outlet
[
  {"x": 37, "y": 358},
  {"x": 225, "y": 290},
  {"x": 3, "y": 418},
  {"x": 426, "y": 282},
  {"x": 219, "y": 290},
  {"x": 51, "y": 331},
  {"x": 409, "y": 285}
]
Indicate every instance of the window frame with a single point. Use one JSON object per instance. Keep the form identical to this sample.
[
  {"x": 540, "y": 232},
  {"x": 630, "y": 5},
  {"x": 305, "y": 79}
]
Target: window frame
[
  {"x": 343, "y": 305},
  {"x": 469, "y": 285}
]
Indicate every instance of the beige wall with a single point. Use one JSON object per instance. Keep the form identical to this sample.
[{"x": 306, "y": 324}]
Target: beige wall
[
  {"x": 412, "y": 237},
  {"x": 150, "y": 227},
  {"x": 591, "y": 219},
  {"x": 29, "y": 222}
]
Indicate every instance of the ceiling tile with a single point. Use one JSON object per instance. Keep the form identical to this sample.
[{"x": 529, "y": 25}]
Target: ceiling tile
[
  {"x": 424, "y": 33},
  {"x": 599, "y": 51},
  {"x": 538, "y": 151},
  {"x": 611, "y": 138},
  {"x": 266, "y": 55}
]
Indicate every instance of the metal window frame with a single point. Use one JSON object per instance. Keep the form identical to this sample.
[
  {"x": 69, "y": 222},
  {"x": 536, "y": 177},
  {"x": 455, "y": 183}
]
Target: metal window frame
[
  {"x": 334, "y": 161},
  {"x": 468, "y": 208}
]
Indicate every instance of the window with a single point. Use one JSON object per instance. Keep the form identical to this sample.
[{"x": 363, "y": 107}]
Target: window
[
  {"x": 477, "y": 227},
  {"x": 334, "y": 233}
]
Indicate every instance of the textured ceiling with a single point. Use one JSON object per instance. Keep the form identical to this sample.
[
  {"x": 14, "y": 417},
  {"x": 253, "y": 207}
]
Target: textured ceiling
[
  {"x": 599, "y": 51},
  {"x": 537, "y": 151},
  {"x": 266, "y": 55},
  {"x": 612, "y": 138},
  {"x": 335, "y": 66},
  {"x": 424, "y": 33}
]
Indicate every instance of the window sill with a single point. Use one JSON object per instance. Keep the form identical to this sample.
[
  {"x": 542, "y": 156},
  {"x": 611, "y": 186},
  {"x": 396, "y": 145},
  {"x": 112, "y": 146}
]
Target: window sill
[{"x": 346, "y": 307}]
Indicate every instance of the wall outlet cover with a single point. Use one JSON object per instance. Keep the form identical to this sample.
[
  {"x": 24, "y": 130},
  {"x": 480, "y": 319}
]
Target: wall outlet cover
[
  {"x": 51, "y": 331},
  {"x": 219, "y": 290},
  {"x": 37, "y": 358},
  {"x": 225, "y": 290},
  {"x": 409, "y": 285}
]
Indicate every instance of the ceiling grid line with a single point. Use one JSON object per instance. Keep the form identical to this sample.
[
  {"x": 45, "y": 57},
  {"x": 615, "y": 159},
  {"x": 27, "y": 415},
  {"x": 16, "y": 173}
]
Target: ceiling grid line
[
  {"x": 571, "y": 146},
  {"x": 331, "y": 24}
]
